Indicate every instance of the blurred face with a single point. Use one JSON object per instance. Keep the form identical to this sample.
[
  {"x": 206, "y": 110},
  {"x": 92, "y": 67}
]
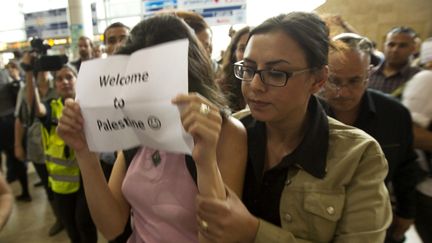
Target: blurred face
[
  {"x": 65, "y": 83},
  {"x": 205, "y": 38},
  {"x": 240, "y": 48},
  {"x": 115, "y": 38},
  {"x": 13, "y": 71},
  {"x": 398, "y": 48},
  {"x": 43, "y": 76},
  {"x": 85, "y": 49},
  {"x": 348, "y": 72},
  {"x": 98, "y": 51},
  {"x": 277, "y": 51}
]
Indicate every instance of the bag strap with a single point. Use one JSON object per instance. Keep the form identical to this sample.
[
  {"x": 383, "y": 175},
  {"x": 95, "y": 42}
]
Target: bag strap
[{"x": 129, "y": 154}]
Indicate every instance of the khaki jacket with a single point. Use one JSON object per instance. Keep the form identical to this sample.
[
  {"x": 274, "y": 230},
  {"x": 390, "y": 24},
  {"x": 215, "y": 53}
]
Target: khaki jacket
[{"x": 351, "y": 204}]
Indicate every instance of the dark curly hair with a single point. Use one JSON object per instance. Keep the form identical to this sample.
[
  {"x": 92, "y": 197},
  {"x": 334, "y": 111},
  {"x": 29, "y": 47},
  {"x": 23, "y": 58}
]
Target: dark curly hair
[{"x": 229, "y": 84}]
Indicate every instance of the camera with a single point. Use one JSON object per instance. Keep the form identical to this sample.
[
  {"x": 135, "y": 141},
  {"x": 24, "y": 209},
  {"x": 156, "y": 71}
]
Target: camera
[{"x": 46, "y": 62}]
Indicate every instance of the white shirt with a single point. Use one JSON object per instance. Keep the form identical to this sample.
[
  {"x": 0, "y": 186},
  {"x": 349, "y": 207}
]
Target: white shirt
[{"x": 417, "y": 98}]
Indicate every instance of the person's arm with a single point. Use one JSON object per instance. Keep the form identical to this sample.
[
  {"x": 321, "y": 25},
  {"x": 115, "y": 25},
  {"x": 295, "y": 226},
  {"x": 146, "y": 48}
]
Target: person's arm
[
  {"x": 32, "y": 96},
  {"x": 108, "y": 208},
  {"x": 405, "y": 179},
  {"x": 205, "y": 128},
  {"x": 367, "y": 211},
  {"x": 232, "y": 154},
  {"x": 6, "y": 202},
  {"x": 212, "y": 141},
  {"x": 19, "y": 135},
  {"x": 422, "y": 138}
]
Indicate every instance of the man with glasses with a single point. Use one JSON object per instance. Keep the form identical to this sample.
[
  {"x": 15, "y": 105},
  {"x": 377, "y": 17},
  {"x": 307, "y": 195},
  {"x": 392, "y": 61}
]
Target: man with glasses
[
  {"x": 381, "y": 116},
  {"x": 391, "y": 76}
]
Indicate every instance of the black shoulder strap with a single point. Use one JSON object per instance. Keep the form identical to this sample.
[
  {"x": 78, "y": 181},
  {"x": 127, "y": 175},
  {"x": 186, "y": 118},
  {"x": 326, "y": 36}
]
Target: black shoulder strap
[
  {"x": 129, "y": 154},
  {"x": 190, "y": 163}
]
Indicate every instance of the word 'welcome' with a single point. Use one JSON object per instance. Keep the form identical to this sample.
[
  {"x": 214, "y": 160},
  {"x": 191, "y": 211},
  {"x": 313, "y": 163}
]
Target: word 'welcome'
[{"x": 118, "y": 80}]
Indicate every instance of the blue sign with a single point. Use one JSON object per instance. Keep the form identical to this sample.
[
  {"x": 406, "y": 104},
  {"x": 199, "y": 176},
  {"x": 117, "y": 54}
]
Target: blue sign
[{"x": 47, "y": 24}]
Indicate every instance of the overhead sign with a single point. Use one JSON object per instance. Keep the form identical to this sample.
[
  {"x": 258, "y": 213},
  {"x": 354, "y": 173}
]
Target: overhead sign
[
  {"x": 126, "y": 100},
  {"x": 150, "y": 7},
  {"x": 215, "y": 12},
  {"x": 47, "y": 24}
]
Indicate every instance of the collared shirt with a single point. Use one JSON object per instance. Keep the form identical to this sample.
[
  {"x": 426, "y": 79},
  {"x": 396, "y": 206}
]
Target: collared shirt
[
  {"x": 416, "y": 98},
  {"x": 377, "y": 79},
  {"x": 389, "y": 122},
  {"x": 262, "y": 189}
]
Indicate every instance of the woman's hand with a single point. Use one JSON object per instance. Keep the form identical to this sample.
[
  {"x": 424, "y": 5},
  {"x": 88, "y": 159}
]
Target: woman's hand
[
  {"x": 70, "y": 127},
  {"x": 203, "y": 121},
  {"x": 225, "y": 220}
]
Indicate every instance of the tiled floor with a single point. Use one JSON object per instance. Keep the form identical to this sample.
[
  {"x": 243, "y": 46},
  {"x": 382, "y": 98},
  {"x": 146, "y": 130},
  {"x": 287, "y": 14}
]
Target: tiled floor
[{"x": 30, "y": 221}]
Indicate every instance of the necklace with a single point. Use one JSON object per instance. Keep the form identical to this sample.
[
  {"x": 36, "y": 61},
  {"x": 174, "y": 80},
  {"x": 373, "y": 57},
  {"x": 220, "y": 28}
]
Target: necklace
[{"x": 156, "y": 158}]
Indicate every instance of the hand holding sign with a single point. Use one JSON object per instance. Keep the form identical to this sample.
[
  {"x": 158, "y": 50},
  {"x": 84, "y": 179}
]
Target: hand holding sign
[
  {"x": 203, "y": 121},
  {"x": 70, "y": 126}
]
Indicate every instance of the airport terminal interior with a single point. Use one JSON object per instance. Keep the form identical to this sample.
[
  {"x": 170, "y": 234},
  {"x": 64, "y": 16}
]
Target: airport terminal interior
[{"x": 68, "y": 33}]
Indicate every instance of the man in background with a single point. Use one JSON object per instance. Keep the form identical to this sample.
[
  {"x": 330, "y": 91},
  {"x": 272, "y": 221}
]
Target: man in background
[
  {"x": 115, "y": 36},
  {"x": 391, "y": 76},
  {"x": 85, "y": 50},
  {"x": 379, "y": 115}
]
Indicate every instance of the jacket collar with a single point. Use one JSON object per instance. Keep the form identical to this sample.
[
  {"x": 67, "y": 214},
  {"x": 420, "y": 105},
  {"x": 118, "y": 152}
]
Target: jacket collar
[{"x": 310, "y": 154}]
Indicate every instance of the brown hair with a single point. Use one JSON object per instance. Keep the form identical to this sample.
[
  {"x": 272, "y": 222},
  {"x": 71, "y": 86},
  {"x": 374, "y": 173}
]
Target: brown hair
[
  {"x": 230, "y": 85},
  {"x": 167, "y": 27},
  {"x": 194, "y": 20}
]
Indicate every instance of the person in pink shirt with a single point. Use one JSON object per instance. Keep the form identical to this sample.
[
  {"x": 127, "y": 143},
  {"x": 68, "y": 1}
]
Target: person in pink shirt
[{"x": 157, "y": 187}]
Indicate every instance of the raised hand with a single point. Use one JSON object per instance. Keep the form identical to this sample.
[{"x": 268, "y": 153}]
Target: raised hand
[
  {"x": 203, "y": 121},
  {"x": 70, "y": 127}
]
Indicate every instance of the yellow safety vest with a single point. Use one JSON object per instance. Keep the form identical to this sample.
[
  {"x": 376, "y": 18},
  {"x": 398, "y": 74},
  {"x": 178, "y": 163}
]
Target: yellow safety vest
[{"x": 63, "y": 170}]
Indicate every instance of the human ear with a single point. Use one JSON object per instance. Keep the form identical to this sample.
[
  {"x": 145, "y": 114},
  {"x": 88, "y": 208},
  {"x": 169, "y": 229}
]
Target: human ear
[{"x": 320, "y": 77}]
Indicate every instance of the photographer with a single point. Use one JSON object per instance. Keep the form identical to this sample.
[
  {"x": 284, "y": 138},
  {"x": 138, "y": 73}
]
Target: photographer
[{"x": 28, "y": 130}]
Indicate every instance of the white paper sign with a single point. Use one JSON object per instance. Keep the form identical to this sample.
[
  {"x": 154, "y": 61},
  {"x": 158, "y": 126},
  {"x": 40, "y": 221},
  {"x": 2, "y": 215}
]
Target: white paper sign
[{"x": 126, "y": 100}]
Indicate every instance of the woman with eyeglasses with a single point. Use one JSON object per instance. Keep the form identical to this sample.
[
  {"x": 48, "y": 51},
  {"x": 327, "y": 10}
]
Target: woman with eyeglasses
[{"x": 309, "y": 178}]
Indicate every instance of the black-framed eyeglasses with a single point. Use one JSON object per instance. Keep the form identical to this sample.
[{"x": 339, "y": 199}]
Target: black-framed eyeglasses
[{"x": 269, "y": 77}]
